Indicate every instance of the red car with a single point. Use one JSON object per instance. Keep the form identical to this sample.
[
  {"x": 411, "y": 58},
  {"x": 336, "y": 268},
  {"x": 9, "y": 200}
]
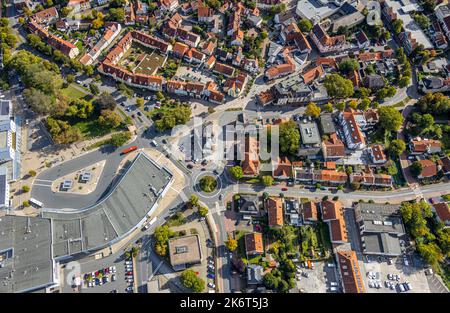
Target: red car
[{"x": 284, "y": 189}]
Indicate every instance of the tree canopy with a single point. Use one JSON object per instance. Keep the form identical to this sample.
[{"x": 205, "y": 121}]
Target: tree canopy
[
  {"x": 338, "y": 87},
  {"x": 289, "y": 140},
  {"x": 390, "y": 118}
]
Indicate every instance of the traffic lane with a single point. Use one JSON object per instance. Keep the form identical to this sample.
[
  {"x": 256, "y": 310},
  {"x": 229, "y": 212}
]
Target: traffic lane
[{"x": 403, "y": 194}]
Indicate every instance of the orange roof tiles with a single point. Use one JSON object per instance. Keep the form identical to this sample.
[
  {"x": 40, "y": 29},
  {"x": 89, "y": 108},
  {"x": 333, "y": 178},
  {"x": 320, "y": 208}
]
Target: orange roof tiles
[{"x": 275, "y": 212}]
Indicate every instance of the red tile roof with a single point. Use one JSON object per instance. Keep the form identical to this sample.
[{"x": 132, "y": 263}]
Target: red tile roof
[
  {"x": 254, "y": 243},
  {"x": 350, "y": 272},
  {"x": 275, "y": 212}
]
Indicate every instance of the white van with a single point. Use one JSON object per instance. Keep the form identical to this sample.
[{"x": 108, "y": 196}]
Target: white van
[
  {"x": 333, "y": 283},
  {"x": 333, "y": 289}
]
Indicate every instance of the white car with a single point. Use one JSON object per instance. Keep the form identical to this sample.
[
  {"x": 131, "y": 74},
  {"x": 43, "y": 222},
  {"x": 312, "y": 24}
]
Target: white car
[
  {"x": 129, "y": 289},
  {"x": 113, "y": 277},
  {"x": 211, "y": 285}
]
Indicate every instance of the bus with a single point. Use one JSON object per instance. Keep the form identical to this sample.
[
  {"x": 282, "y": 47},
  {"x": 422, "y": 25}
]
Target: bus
[
  {"x": 36, "y": 203},
  {"x": 128, "y": 150}
]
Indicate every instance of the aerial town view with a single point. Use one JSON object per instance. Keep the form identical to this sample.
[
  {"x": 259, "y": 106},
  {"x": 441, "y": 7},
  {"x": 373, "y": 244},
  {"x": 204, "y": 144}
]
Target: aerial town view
[{"x": 225, "y": 146}]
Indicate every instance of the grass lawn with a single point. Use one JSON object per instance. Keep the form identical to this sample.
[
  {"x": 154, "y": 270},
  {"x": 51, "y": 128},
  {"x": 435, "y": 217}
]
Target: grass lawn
[
  {"x": 324, "y": 235},
  {"x": 91, "y": 129},
  {"x": 73, "y": 93},
  {"x": 240, "y": 238}
]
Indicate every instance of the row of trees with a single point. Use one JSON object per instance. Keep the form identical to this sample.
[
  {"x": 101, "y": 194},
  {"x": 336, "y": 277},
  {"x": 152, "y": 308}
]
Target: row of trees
[{"x": 431, "y": 237}]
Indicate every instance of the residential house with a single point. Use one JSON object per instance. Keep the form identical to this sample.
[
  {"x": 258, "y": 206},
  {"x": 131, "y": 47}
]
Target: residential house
[
  {"x": 330, "y": 177},
  {"x": 180, "y": 49},
  {"x": 281, "y": 70},
  {"x": 275, "y": 212},
  {"x": 205, "y": 14},
  {"x": 442, "y": 211},
  {"x": 292, "y": 212},
  {"x": 223, "y": 69},
  {"x": 326, "y": 43},
  {"x": 333, "y": 214},
  {"x": 248, "y": 204},
  {"x": 350, "y": 273},
  {"x": 195, "y": 56},
  {"x": 373, "y": 81},
  {"x": 169, "y": 5},
  {"x": 376, "y": 153},
  {"x": 234, "y": 86},
  {"x": 333, "y": 148},
  {"x": 309, "y": 212},
  {"x": 362, "y": 40},
  {"x": 420, "y": 146},
  {"x": 79, "y": 5},
  {"x": 250, "y": 163},
  {"x": 369, "y": 179},
  {"x": 47, "y": 16},
  {"x": 282, "y": 168},
  {"x": 351, "y": 124},
  {"x": 429, "y": 169},
  {"x": 254, "y": 244}
]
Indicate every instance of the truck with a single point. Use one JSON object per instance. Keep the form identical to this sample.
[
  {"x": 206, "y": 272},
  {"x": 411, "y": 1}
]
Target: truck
[{"x": 128, "y": 150}]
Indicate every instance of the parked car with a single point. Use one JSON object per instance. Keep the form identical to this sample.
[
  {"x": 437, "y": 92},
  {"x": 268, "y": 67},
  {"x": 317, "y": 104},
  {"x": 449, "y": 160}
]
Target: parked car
[
  {"x": 211, "y": 285},
  {"x": 211, "y": 275}
]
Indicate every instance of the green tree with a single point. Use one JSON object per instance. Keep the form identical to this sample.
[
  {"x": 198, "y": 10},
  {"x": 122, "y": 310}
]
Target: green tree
[
  {"x": 364, "y": 104},
  {"x": 338, "y": 87},
  {"x": 397, "y": 25},
  {"x": 193, "y": 200},
  {"x": 289, "y": 138},
  {"x": 416, "y": 168},
  {"x": 390, "y": 118},
  {"x": 208, "y": 183},
  {"x": 105, "y": 102},
  {"x": 140, "y": 102},
  {"x": 231, "y": 244},
  {"x": 109, "y": 118},
  {"x": 94, "y": 89},
  {"x": 396, "y": 147},
  {"x": 203, "y": 211},
  {"x": 422, "y": 20},
  {"x": 348, "y": 66},
  {"x": 120, "y": 139},
  {"x": 25, "y": 188},
  {"x": 267, "y": 180},
  {"x": 236, "y": 172},
  {"x": 305, "y": 25},
  {"x": 190, "y": 280},
  {"x": 270, "y": 281},
  {"x": 312, "y": 110},
  {"x": 328, "y": 107},
  {"x": 340, "y": 106},
  {"x": 32, "y": 173}
]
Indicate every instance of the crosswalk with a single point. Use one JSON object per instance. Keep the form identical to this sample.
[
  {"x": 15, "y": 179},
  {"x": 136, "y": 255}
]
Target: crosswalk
[
  {"x": 417, "y": 191},
  {"x": 43, "y": 182}
]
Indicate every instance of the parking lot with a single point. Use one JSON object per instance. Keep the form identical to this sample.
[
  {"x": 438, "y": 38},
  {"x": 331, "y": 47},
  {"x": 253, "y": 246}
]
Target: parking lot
[
  {"x": 376, "y": 273},
  {"x": 101, "y": 276},
  {"x": 321, "y": 278}
]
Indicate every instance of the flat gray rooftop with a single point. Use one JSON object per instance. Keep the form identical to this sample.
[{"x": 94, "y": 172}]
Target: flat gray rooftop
[
  {"x": 118, "y": 213},
  {"x": 380, "y": 218},
  {"x": 309, "y": 133},
  {"x": 25, "y": 252},
  {"x": 383, "y": 243},
  {"x": 327, "y": 124}
]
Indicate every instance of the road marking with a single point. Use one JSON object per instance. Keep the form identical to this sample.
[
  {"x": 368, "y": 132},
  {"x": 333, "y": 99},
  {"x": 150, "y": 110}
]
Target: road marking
[
  {"x": 42, "y": 185},
  {"x": 183, "y": 196},
  {"x": 176, "y": 190},
  {"x": 155, "y": 271},
  {"x": 44, "y": 180}
]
